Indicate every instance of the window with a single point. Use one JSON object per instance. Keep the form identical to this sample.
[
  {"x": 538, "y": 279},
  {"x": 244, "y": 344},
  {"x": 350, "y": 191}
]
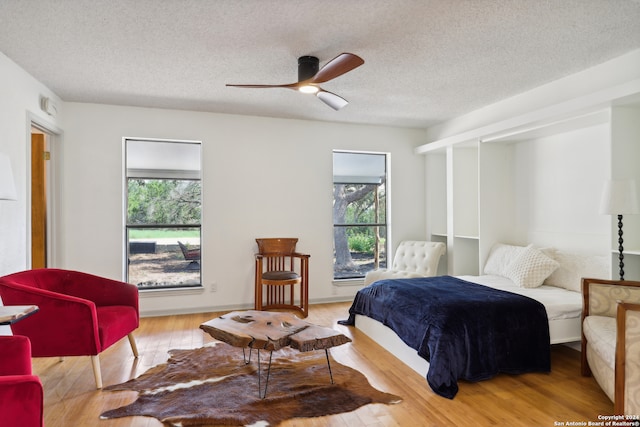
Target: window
[
  {"x": 359, "y": 213},
  {"x": 163, "y": 214}
]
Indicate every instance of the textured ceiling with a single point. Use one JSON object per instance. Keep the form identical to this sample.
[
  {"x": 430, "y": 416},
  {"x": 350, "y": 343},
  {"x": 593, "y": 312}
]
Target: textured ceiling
[{"x": 425, "y": 60}]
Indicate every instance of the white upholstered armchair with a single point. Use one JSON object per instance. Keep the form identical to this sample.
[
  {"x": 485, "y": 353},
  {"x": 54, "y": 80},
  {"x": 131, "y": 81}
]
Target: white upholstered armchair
[
  {"x": 611, "y": 340},
  {"x": 412, "y": 259}
]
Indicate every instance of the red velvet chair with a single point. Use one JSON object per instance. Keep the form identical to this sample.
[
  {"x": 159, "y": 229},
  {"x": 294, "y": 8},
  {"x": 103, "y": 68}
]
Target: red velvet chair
[
  {"x": 21, "y": 395},
  {"x": 80, "y": 314}
]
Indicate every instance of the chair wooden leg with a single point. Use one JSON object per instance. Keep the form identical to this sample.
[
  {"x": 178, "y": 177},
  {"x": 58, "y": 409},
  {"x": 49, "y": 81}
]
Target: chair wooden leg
[
  {"x": 95, "y": 362},
  {"x": 134, "y": 347},
  {"x": 258, "y": 285}
]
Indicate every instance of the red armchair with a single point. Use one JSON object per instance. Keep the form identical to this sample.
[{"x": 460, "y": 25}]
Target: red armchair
[
  {"x": 80, "y": 314},
  {"x": 21, "y": 395}
]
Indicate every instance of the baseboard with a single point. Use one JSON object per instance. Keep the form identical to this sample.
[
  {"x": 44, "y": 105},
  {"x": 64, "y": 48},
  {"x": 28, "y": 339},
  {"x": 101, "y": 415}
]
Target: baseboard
[{"x": 218, "y": 308}]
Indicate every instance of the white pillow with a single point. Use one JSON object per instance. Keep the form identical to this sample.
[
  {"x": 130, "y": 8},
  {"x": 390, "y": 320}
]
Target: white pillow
[
  {"x": 573, "y": 267},
  {"x": 500, "y": 257},
  {"x": 530, "y": 268}
]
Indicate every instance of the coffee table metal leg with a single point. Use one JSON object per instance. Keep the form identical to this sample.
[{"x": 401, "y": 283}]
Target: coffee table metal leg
[
  {"x": 262, "y": 394},
  {"x": 244, "y": 356},
  {"x": 266, "y": 384},
  {"x": 326, "y": 352}
]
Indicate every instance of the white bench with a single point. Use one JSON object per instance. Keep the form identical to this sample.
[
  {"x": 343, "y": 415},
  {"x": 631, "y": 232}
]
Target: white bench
[{"x": 413, "y": 258}]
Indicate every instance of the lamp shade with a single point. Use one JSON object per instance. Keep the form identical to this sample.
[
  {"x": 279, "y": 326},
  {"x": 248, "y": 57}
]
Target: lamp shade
[
  {"x": 620, "y": 197},
  {"x": 7, "y": 186}
]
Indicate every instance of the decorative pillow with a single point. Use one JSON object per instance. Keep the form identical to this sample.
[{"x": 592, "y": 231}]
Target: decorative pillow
[
  {"x": 573, "y": 267},
  {"x": 549, "y": 251},
  {"x": 530, "y": 268},
  {"x": 500, "y": 257}
]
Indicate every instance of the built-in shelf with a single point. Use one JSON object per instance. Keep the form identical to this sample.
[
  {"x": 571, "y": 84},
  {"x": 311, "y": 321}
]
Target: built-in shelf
[
  {"x": 495, "y": 180},
  {"x": 626, "y": 252},
  {"x": 475, "y": 186}
]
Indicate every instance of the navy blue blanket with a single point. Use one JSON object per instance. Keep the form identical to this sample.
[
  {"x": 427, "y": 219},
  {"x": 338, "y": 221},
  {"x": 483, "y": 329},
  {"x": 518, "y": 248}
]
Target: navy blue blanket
[{"x": 464, "y": 330}]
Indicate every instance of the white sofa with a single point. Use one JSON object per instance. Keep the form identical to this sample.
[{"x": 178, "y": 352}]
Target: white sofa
[
  {"x": 611, "y": 340},
  {"x": 413, "y": 258}
]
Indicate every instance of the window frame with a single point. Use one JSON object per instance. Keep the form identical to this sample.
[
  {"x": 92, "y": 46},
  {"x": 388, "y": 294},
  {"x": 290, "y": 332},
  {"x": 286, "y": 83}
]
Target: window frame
[
  {"x": 160, "y": 174},
  {"x": 387, "y": 211}
]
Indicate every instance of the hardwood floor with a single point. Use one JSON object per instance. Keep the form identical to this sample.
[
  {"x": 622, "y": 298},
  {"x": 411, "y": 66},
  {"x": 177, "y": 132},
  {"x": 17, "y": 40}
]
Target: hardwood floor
[{"x": 523, "y": 400}]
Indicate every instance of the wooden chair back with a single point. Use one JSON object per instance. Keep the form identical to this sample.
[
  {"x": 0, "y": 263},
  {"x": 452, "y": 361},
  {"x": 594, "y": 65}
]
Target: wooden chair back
[{"x": 285, "y": 246}]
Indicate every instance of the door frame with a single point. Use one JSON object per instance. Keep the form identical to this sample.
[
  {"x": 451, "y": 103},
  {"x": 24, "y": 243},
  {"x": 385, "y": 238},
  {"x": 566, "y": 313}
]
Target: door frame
[{"x": 54, "y": 226}]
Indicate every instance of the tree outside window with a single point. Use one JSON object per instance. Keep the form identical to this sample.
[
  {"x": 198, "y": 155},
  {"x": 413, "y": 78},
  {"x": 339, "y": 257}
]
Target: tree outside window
[{"x": 359, "y": 213}]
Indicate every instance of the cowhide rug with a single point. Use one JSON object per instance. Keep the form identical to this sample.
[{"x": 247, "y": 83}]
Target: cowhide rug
[{"x": 213, "y": 386}]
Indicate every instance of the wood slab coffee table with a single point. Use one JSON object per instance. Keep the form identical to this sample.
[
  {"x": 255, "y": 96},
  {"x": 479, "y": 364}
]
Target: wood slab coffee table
[{"x": 271, "y": 331}]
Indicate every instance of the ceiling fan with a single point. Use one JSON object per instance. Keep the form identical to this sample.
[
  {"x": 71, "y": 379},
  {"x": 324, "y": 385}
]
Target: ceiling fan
[{"x": 310, "y": 75}]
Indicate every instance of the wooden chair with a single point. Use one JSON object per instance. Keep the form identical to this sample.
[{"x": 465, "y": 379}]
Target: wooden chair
[{"x": 279, "y": 270}]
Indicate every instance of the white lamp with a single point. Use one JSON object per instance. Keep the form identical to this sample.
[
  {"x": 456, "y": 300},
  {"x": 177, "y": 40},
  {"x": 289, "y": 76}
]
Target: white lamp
[
  {"x": 620, "y": 197},
  {"x": 7, "y": 186}
]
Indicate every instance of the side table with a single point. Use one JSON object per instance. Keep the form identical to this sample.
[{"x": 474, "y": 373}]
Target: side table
[{"x": 10, "y": 314}]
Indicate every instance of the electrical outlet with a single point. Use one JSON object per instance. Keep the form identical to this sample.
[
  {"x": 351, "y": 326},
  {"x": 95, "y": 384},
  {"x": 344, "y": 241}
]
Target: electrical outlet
[{"x": 214, "y": 287}]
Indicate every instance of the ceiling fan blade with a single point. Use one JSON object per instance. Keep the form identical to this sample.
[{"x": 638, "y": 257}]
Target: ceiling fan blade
[
  {"x": 339, "y": 65},
  {"x": 332, "y": 100},
  {"x": 286, "y": 86}
]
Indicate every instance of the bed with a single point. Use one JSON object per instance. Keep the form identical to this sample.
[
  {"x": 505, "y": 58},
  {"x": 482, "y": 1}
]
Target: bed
[{"x": 536, "y": 280}]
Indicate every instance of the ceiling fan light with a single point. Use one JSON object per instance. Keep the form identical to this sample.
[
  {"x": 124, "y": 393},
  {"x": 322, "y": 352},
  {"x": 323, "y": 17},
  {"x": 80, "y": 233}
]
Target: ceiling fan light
[{"x": 308, "y": 89}]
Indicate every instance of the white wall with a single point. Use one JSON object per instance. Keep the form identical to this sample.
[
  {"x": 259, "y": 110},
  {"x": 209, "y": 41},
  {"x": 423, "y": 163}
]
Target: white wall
[
  {"x": 559, "y": 182},
  {"x": 19, "y": 103},
  {"x": 262, "y": 177}
]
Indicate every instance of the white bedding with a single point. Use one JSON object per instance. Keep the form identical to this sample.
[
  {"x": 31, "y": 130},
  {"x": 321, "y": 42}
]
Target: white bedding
[
  {"x": 563, "y": 307},
  {"x": 559, "y": 293},
  {"x": 559, "y": 303}
]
